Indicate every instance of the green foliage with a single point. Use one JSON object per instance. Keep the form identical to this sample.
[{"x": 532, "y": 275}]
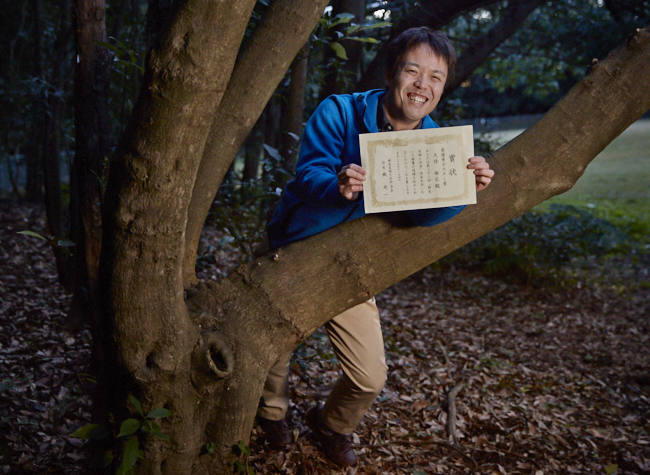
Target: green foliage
[
  {"x": 544, "y": 244},
  {"x": 127, "y": 435},
  {"x": 209, "y": 448},
  {"x": 65, "y": 244},
  {"x": 332, "y": 32},
  {"x": 243, "y": 207},
  {"x": 243, "y": 452},
  {"x": 525, "y": 76}
]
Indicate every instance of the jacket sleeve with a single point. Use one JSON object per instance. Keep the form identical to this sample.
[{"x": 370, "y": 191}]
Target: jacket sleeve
[
  {"x": 433, "y": 216},
  {"x": 320, "y": 156}
]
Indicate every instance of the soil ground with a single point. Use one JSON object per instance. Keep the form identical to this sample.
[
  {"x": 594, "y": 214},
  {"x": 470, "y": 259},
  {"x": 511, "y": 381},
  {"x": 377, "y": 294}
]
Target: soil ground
[{"x": 550, "y": 380}]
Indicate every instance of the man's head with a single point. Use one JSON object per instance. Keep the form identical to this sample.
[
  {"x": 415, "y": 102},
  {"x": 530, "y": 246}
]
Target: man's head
[
  {"x": 414, "y": 37},
  {"x": 420, "y": 63}
]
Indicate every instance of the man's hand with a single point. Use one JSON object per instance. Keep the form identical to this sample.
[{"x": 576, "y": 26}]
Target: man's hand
[
  {"x": 351, "y": 178},
  {"x": 482, "y": 172}
]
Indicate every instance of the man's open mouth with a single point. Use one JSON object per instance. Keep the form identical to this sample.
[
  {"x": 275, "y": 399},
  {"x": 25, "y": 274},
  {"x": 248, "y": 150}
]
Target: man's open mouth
[{"x": 418, "y": 99}]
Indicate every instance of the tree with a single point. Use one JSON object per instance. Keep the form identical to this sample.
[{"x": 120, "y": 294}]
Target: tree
[
  {"x": 203, "y": 350},
  {"x": 92, "y": 147}
]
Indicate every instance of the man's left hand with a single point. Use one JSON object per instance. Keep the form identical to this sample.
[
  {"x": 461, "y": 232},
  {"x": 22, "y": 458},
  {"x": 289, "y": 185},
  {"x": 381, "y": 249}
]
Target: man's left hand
[{"x": 482, "y": 172}]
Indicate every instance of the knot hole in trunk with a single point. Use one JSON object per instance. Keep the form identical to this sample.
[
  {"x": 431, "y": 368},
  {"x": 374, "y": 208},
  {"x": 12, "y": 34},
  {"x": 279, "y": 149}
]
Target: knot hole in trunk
[{"x": 212, "y": 359}]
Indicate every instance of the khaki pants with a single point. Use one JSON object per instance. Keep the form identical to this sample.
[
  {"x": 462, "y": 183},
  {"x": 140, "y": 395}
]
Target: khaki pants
[{"x": 358, "y": 344}]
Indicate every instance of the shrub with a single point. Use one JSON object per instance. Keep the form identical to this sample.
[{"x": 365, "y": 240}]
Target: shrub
[{"x": 544, "y": 244}]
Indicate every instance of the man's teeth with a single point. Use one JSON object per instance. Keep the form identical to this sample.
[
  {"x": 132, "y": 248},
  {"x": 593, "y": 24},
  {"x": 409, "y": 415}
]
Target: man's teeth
[{"x": 418, "y": 99}]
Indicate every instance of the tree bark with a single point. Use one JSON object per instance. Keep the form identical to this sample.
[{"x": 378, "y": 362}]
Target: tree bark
[
  {"x": 272, "y": 121},
  {"x": 252, "y": 151},
  {"x": 52, "y": 150},
  {"x": 280, "y": 35},
  {"x": 479, "y": 51},
  {"x": 295, "y": 107},
  {"x": 260, "y": 319},
  {"x": 119, "y": 18},
  {"x": 34, "y": 150},
  {"x": 206, "y": 358},
  {"x": 145, "y": 339},
  {"x": 92, "y": 147}
]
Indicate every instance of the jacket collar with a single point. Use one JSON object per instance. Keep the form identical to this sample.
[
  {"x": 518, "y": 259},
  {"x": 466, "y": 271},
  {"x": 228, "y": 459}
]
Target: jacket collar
[{"x": 365, "y": 104}]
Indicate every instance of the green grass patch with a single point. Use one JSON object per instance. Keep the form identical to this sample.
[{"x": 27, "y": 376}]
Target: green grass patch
[
  {"x": 605, "y": 215},
  {"x": 616, "y": 184}
]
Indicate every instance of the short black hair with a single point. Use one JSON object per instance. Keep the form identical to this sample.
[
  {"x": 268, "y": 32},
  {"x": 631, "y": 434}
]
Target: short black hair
[{"x": 414, "y": 37}]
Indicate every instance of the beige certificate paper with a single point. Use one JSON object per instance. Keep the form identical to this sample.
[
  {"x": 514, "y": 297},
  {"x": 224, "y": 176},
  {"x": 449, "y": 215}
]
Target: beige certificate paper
[{"x": 416, "y": 169}]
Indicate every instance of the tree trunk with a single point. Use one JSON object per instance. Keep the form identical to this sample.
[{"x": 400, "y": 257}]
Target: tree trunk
[
  {"x": 346, "y": 265},
  {"x": 252, "y": 152},
  {"x": 119, "y": 18},
  {"x": 52, "y": 151},
  {"x": 206, "y": 358},
  {"x": 34, "y": 150},
  {"x": 295, "y": 106},
  {"x": 144, "y": 338},
  {"x": 280, "y": 35},
  {"x": 272, "y": 122},
  {"x": 479, "y": 50},
  {"x": 92, "y": 147},
  {"x": 158, "y": 16}
]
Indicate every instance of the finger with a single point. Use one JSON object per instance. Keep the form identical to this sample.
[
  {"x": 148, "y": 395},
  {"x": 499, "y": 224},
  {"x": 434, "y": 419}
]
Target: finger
[
  {"x": 478, "y": 166},
  {"x": 356, "y": 168},
  {"x": 346, "y": 188},
  {"x": 482, "y": 183},
  {"x": 484, "y": 172},
  {"x": 350, "y": 181},
  {"x": 346, "y": 180},
  {"x": 349, "y": 174}
]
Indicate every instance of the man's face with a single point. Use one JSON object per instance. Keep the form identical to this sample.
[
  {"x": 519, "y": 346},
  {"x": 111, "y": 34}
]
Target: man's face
[{"x": 416, "y": 88}]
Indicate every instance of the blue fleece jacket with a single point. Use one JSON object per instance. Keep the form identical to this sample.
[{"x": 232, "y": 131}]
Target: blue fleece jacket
[{"x": 311, "y": 203}]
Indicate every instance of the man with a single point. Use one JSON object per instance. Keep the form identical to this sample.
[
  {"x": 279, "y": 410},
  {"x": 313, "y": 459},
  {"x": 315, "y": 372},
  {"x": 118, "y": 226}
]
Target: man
[{"x": 327, "y": 191}]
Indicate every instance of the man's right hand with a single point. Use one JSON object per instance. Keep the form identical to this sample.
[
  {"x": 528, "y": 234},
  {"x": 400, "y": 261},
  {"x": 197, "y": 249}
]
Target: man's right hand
[{"x": 351, "y": 178}]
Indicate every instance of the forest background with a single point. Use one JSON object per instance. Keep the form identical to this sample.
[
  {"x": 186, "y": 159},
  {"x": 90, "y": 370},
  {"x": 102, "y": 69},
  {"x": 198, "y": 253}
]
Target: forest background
[{"x": 502, "y": 73}]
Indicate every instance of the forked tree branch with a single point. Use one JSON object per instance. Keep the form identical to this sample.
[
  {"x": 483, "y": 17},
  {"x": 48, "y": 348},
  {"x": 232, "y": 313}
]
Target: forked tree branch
[
  {"x": 480, "y": 49},
  {"x": 351, "y": 262},
  {"x": 259, "y": 69}
]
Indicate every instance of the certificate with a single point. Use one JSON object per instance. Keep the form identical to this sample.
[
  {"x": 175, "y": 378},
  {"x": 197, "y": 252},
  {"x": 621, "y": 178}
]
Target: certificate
[{"x": 417, "y": 169}]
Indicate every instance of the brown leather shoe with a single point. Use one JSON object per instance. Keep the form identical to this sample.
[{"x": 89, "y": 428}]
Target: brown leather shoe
[
  {"x": 276, "y": 433},
  {"x": 335, "y": 446}
]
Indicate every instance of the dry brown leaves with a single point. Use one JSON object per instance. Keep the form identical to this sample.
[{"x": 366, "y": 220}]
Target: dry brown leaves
[
  {"x": 554, "y": 381},
  {"x": 42, "y": 363}
]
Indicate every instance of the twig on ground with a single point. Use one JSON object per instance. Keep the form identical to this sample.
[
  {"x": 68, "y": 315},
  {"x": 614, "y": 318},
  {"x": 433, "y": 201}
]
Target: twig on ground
[
  {"x": 444, "y": 352},
  {"x": 451, "y": 413}
]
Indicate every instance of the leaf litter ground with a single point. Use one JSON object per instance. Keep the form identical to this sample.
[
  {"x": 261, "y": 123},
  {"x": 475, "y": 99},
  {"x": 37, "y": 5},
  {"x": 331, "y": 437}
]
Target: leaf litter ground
[{"x": 552, "y": 381}]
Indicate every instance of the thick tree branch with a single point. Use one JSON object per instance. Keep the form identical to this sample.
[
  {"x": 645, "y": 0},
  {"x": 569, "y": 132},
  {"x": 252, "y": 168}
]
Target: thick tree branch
[
  {"x": 155, "y": 164},
  {"x": 332, "y": 271},
  {"x": 274, "y": 44},
  {"x": 284, "y": 296},
  {"x": 478, "y": 52},
  {"x": 146, "y": 326}
]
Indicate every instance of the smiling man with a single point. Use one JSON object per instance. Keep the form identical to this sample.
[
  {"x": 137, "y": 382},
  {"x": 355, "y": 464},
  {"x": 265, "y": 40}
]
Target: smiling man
[{"x": 327, "y": 191}]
